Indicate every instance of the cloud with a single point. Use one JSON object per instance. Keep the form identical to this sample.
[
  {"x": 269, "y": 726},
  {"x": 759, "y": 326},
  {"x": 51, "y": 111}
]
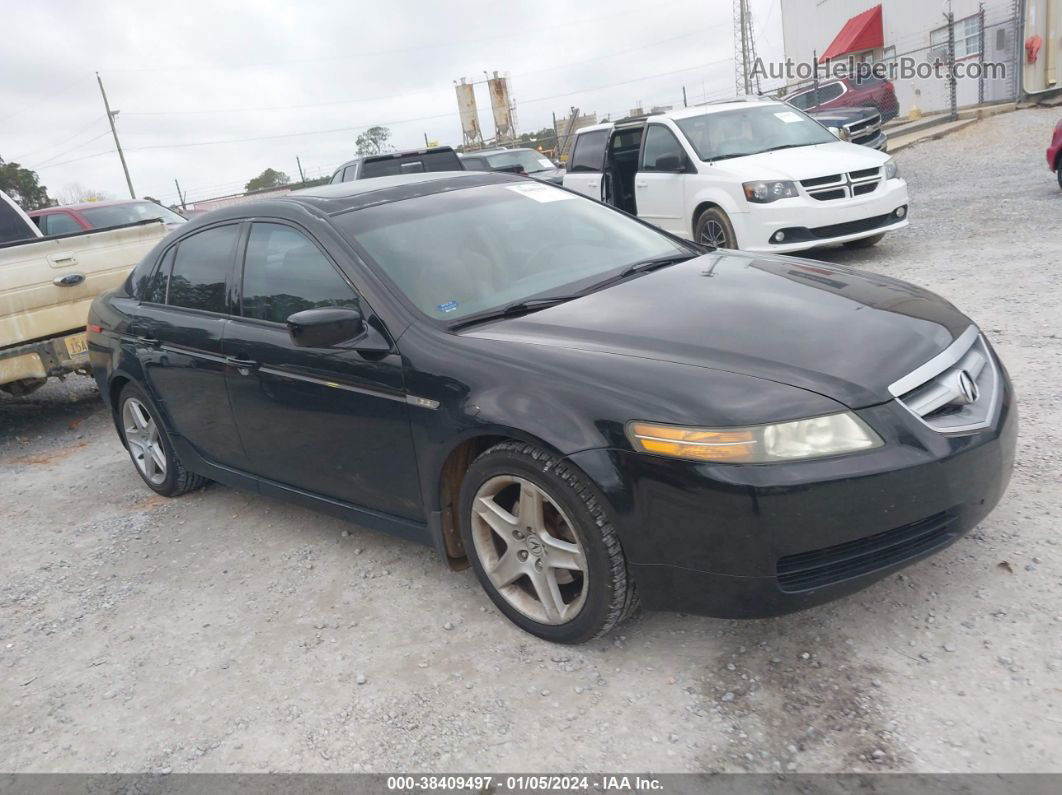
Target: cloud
[{"x": 284, "y": 79}]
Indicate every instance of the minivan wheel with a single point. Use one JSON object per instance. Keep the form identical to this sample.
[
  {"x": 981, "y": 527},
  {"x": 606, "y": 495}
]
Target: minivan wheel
[
  {"x": 543, "y": 546},
  {"x": 865, "y": 242},
  {"x": 149, "y": 446},
  {"x": 714, "y": 230}
]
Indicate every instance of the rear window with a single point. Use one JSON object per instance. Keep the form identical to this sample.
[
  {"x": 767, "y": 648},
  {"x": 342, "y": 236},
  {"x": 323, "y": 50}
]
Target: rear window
[
  {"x": 589, "y": 154},
  {"x": 411, "y": 164},
  {"x": 129, "y": 213},
  {"x": 12, "y": 225}
]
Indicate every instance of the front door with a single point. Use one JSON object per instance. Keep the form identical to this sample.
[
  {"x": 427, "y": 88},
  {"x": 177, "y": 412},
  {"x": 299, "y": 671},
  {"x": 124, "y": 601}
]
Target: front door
[
  {"x": 177, "y": 334},
  {"x": 331, "y": 421},
  {"x": 659, "y": 186},
  {"x": 587, "y": 161}
]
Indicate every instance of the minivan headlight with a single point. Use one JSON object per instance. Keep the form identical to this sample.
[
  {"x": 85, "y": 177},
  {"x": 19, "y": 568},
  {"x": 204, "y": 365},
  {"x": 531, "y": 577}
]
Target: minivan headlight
[
  {"x": 817, "y": 437},
  {"x": 766, "y": 192},
  {"x": 891, "y": 169}
]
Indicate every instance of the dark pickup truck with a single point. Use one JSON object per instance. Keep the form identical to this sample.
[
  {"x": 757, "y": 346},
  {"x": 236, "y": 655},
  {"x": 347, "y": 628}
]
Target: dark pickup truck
[
  {"x": 858, "y": 125},
  {"x": 390, "y": 164}
]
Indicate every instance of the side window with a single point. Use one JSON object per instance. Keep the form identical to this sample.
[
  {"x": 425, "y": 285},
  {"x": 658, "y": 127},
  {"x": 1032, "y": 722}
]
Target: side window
[
  {"x": 350, "y": 173},
  {"x": 802, "y": 101},
  {"x": 589, "y": 154},
  {"x": 61, "y": 224},
  {"x": 197, "y": 279},
  {"x": 153, "y": 288},
  {"x": 829, "y": 92},
  {"x": 659, "y": 141},
  {"x": 474, "y": 164},
  {"x": 337, "y": 177},
  {"x": 285, "y": 273}
]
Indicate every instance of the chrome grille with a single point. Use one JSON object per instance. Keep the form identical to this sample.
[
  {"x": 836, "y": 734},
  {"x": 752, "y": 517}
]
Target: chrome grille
[
  {"x": 861, "y": 132},
  {"x": 956, "y": 391},
  {"x": 843, "y": 186}
]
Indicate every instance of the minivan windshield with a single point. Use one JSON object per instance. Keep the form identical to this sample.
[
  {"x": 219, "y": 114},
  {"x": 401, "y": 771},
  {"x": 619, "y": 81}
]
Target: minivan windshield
[
  {"x": 465, "y": 252},
  {"x": 751, "y": 130}
]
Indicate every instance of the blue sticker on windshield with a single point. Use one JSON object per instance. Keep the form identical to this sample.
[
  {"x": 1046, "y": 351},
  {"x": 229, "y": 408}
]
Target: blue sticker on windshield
[{"x": 449, "y": 306}]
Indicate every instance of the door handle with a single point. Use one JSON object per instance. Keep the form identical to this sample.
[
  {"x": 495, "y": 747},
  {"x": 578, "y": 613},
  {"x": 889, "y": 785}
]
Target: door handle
[
  {"x": 243, "y": 365},
  {"x": 65, "y": 258},
  {"x": 142, "y": 337}
]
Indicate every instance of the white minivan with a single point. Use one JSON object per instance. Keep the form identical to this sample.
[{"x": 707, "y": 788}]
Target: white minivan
[{"x": 752, "y": 174}]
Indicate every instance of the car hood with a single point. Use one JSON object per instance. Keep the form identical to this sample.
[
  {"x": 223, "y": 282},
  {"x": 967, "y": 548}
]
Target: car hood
[
  {"x": 803, "y": 162},
  {"x": 828, "y": 329},
  {"x": 838, "y": 116}
]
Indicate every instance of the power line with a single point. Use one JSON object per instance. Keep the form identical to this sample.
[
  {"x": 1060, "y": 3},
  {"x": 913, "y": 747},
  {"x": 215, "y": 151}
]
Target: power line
[
  {"x": 47, "y": 162},
  {"x": 95, "y": 121},
  {"x": 417, "y": 93}
]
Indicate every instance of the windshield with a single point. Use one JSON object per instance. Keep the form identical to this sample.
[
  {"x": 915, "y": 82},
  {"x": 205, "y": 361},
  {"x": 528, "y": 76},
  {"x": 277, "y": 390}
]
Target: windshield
[
  {"x": 530, "y": 162},
  {"x": 468, "y": 251},
  {"x": 751, "y": 130},
  {"x": 130, "y": 213}
]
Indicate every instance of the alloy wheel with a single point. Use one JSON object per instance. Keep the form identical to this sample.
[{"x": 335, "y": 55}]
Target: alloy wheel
[
  {"x": 713, "y": 234},
  {"x": 142, "y": 436},
  {"x": 529, "y": 550}
]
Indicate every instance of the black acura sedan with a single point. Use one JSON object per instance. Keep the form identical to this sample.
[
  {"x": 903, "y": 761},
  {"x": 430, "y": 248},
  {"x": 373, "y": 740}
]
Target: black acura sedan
[{"x": 588, "y": 411}]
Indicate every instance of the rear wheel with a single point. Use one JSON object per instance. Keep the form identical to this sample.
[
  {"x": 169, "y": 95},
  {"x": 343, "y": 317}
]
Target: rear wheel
[
  {"x": 714, "y": 230},
  {"x": 542, "y": 545},
  {"x": 866, "y": 242},
  {"x": 149, "y": 446}
]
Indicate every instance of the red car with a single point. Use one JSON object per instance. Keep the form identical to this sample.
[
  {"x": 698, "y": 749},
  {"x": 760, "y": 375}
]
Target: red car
[
  {"x": 1054, "y": 153},
  {"x": 848, "y": 92},
  {"x": 98, "y": 215}
]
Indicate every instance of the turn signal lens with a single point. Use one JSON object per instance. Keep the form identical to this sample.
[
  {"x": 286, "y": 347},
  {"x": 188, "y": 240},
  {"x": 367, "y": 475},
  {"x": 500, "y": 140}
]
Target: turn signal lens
[{"x": 817, "y": 437}]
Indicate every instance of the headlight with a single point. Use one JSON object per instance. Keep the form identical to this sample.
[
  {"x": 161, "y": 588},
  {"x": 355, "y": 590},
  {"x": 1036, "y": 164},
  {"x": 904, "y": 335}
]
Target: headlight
[
  {"x": 891, "y": 169},
  {"x": 767, "y": 192},
  {"x": 832, "y": 434}
]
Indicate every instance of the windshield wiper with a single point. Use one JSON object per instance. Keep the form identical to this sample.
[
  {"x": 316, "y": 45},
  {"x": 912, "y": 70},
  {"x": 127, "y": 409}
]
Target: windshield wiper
[
  {"x": 642, "y": 266},
  {"x": 785, "y": 146},
  {"x": 513, "y": 310},
  {"x": 727, "y": 157}
]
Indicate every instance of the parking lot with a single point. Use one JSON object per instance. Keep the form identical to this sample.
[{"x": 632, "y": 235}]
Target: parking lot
[{"x": 222, "y": 631}]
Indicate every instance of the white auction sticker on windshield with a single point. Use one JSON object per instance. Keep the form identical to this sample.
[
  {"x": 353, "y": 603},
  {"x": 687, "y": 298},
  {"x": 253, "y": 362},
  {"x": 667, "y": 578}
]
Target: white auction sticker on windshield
[
  {"x": 788, "y": 116},
  {"x": 540, "y": 193}
]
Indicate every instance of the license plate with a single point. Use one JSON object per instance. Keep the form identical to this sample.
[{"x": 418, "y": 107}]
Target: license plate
[{"x": 77, "y": 344}]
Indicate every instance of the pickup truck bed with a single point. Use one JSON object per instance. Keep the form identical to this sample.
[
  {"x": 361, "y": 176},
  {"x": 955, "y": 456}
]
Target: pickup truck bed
[{"x": 46, "y": 286}]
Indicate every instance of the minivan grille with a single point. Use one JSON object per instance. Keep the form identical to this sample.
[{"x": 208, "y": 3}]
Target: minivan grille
[
  {"x": 829, "y": 565},
  {"x": 956, "y": 391},
  {"x": 843, "y": 186}
]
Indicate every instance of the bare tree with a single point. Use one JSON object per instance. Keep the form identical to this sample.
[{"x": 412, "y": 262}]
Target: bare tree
[{"x": 75, "y": 193}]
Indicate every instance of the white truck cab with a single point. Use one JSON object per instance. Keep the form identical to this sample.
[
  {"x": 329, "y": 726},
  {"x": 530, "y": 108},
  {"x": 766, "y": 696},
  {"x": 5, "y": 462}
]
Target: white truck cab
[{"x": 754, "y": 174}]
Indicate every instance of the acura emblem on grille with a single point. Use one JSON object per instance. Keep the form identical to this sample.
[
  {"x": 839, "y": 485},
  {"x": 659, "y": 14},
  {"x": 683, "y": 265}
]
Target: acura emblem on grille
[{"x": 967, "y": 391}]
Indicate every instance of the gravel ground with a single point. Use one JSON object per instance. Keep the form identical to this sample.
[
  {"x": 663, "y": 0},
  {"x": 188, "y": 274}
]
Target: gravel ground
[{"x": 224, "y": 632}]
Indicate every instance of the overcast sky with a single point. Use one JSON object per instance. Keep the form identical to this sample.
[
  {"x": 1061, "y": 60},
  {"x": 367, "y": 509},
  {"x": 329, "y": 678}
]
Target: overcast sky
[{"x": 195, "y": 81}]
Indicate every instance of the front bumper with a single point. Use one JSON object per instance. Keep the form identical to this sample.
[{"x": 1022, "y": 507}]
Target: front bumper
[
  {"x": 755, "y": 227},
  {"x": 754, "y": 541}
]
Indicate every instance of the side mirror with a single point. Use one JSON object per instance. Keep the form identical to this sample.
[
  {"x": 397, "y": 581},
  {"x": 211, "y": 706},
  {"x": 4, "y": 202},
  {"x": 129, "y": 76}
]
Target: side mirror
[
  {"x": 325, "y": 327},
  {"x": 671, "y": 162}
]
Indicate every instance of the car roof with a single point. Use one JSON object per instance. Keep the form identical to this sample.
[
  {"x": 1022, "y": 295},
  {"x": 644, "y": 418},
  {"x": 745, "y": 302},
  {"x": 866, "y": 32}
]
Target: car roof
[
  {"x": 342, "y": 197},
  {"x": 498, "y": 151},
  {"x": 87, "y": 205},
  {"x": 686, "y": 113},
  {"x": 398, "y": 154}
]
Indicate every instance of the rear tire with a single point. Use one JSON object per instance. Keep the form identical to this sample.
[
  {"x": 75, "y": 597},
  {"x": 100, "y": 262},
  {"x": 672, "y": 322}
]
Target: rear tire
[
  {"x": 714, "y": 230},
  {"x": 543, "y": 546},
  {"x": 149, "y": 446},
  {"x": 866, "y": 242}
]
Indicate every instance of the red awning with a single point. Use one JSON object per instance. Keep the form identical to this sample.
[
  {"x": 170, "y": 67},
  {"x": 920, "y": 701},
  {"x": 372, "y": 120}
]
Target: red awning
[{"x": 861, "y": 32}]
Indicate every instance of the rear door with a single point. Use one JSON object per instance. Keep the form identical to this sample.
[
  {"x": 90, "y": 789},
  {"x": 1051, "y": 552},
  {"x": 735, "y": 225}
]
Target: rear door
[
  {"x": 178, "y": 331},
  {"x": 331, "y": 421},
  {"x": 587, "y": 162},
  {"x": 659, "y": 184}
]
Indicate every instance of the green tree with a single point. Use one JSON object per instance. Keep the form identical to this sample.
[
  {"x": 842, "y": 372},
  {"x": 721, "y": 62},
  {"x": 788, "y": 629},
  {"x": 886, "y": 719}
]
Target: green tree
[
  {"x": 373, "y": 141},
  {"x": 267, "y": 179},
  {"x": 21, "y": 185}
]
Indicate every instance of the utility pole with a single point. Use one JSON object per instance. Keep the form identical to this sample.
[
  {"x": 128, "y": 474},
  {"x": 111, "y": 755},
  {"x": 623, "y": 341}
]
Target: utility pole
[
  {"x": 180, "y": 195},
  {"x": 684, "y": 104},
  {"x": 302, "y": 177},
  {"x": 114, "y": 131}
]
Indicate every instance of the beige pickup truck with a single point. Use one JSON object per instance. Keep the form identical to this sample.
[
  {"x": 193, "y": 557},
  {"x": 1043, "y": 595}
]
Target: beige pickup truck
[{"x": 46, "y": 286}]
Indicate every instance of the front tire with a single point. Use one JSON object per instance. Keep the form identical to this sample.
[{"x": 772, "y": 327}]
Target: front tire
[
  {"x": 543, "y": 546},
  {"x": 714, "y": 230},
  {"x": 149, "y": 446},
  {"x": 866, "y": 242}
]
